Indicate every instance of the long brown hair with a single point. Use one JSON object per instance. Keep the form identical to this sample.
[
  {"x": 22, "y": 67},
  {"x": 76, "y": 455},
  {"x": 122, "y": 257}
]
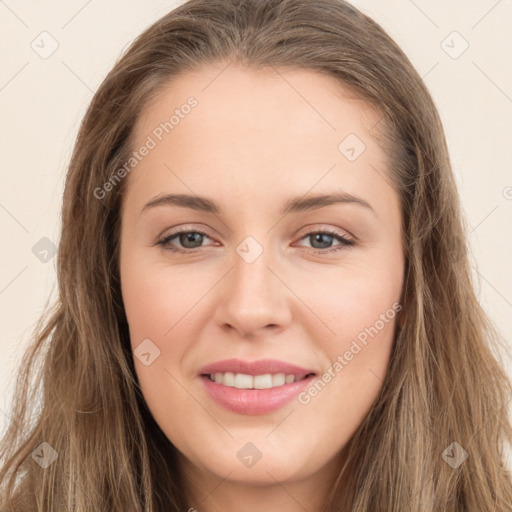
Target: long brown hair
[{"x": 77, "y": 389}]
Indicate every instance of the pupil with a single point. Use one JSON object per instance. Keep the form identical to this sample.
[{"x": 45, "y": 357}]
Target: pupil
[
  {"x": 320, "y": 236},
  {"x": 185, "y": 238}
]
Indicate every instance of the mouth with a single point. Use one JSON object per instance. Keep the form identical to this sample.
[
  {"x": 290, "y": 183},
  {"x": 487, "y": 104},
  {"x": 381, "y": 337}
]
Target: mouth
[
  {"x": 254, "y": 387},
  {"x": 254, "y": 394},
  {"x": 255, "y": 382}
]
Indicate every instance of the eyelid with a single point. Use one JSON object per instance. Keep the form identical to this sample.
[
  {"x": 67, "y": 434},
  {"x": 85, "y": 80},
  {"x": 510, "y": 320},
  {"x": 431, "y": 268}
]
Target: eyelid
[
  {"x": 184, "y": 229},
  {"x": 323, "y": 228}
]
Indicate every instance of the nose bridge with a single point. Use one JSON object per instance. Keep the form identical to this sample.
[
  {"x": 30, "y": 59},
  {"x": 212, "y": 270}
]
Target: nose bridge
[{"x": 253, "y": 297}]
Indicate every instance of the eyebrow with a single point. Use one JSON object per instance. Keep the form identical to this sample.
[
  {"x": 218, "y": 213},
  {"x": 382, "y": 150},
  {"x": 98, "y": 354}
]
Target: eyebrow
[{"x": 294, "y": 205}]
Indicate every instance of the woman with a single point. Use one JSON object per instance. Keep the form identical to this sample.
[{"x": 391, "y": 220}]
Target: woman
[{"x": 324, "y": 350}]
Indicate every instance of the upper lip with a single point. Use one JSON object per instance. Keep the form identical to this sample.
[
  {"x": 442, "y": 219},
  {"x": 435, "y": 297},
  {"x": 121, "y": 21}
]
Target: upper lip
[{"x": 259, "y": 367}]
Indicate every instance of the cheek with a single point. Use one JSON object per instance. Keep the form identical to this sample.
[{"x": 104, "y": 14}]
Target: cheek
[
  {"x": 337, "y": 402},
  {"x": 159, "y": 298},
  {"x": 357, "y": 299},
  {"x": 358, "y": 308},
  {"x": 165, "y": 305},
  {"x": 159, "y": 301}
]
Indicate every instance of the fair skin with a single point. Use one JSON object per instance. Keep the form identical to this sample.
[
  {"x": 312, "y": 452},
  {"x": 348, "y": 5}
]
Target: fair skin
[{"x": 255, "y": 140}]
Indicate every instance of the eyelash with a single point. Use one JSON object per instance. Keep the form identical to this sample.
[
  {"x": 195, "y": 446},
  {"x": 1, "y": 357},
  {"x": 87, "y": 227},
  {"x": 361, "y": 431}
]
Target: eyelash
[{"x": 345, "y": 242}]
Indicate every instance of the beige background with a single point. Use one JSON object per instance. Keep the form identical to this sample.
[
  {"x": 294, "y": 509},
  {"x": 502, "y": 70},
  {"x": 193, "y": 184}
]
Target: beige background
[{"x": 43, "y": 99}]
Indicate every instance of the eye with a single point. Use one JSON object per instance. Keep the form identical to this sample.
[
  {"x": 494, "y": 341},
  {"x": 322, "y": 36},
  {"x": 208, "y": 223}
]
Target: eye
[
  {"x": 190, "y": 240},
  {"x": 321, "y": 241}
]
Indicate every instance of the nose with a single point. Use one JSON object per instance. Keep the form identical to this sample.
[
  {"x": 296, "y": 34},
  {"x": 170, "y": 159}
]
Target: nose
[{"x": 253, "y": 299}]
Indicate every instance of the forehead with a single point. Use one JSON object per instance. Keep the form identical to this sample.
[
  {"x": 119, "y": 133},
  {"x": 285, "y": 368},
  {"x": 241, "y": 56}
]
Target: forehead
[
  {"x": 249, "y": 96},
  {"x": 251, "y": 129}
]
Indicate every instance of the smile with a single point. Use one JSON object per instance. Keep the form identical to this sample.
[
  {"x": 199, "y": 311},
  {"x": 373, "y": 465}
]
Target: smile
[
  {"x": 251, "y": 400},
  {"x": 244, "y": 381}
]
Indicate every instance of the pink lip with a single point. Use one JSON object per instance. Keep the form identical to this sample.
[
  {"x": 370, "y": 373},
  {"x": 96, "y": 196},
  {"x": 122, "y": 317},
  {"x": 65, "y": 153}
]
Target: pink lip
[
  {"x": 254, "y": 401},
  {"x": 254, "y": 367}
]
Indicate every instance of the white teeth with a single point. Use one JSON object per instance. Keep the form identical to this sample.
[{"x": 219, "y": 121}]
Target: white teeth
[
  {"x": 228, "y": 379},
  {"x": 263, "y": 381},
  {"x": 278, "y": 379},
  {"x": 243, "y": 381}
]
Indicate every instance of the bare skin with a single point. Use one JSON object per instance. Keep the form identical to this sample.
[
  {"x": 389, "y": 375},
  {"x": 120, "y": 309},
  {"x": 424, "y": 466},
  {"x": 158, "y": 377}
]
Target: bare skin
[{"x": 255, "y": 140}]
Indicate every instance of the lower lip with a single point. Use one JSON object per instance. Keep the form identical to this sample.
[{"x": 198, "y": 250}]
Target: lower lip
[{"x": 254, "y": 401}]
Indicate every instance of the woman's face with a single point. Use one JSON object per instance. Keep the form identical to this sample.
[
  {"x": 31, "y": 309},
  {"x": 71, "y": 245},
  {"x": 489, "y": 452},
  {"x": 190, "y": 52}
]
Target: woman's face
[{"x": 251, "y": 155}]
